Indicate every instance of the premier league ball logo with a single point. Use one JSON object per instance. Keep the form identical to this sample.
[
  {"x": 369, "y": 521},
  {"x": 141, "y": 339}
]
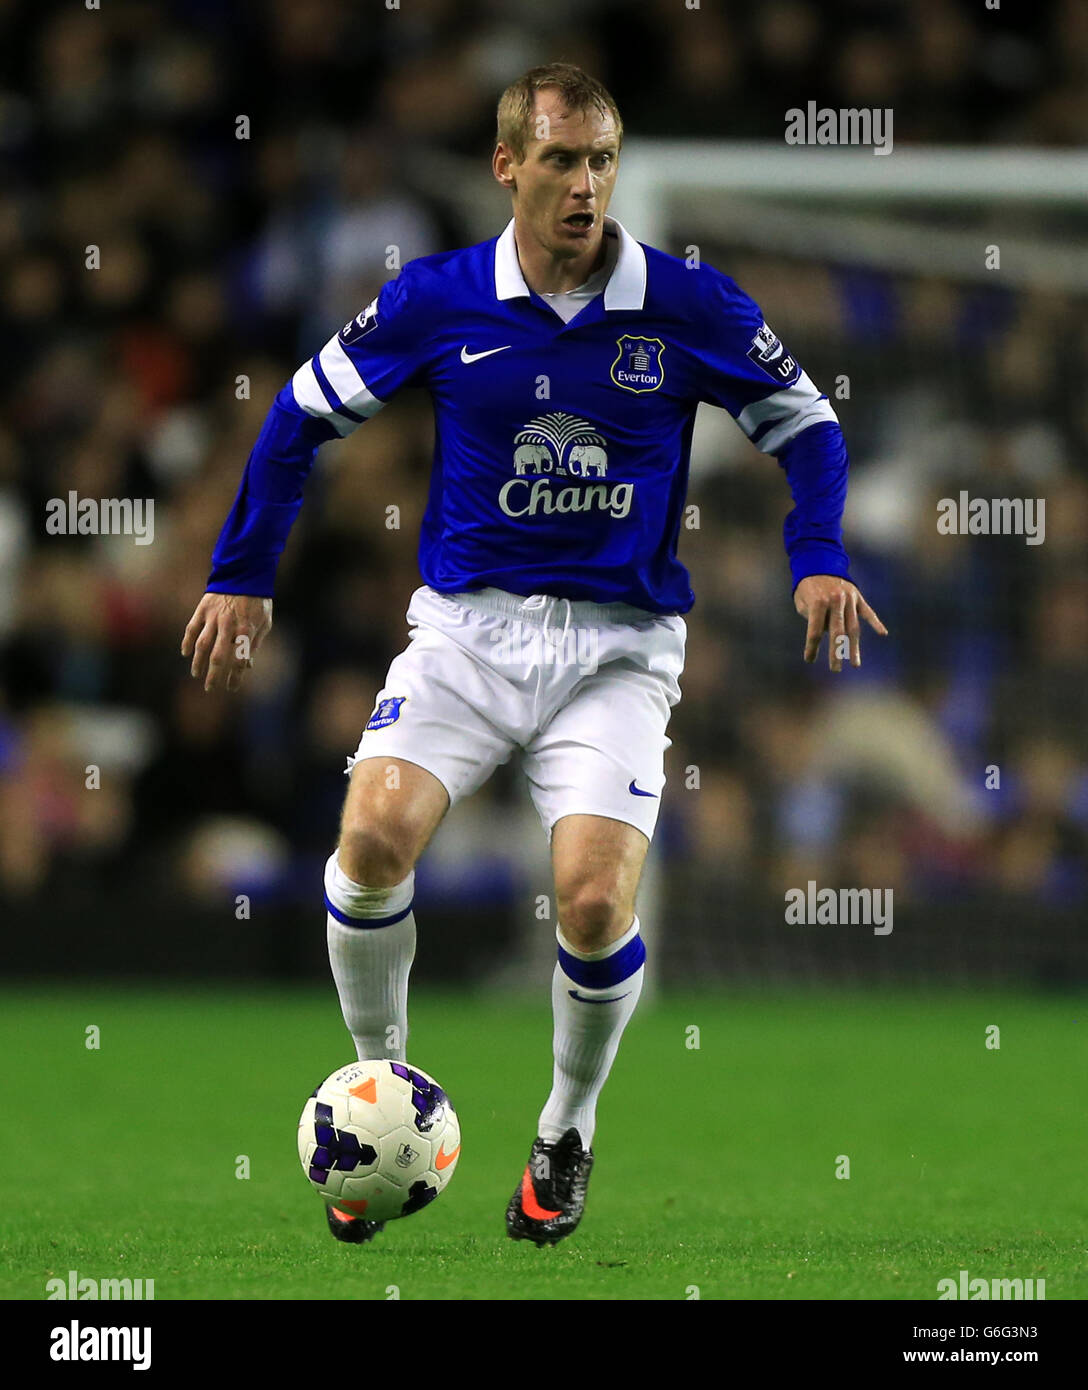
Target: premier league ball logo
[
  {"x": 361, "y": 324},
  {"x": 769, "y": 355}
]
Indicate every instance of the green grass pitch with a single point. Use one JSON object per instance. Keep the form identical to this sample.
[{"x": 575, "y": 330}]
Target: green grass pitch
[{"x": 716, "y": 1165}]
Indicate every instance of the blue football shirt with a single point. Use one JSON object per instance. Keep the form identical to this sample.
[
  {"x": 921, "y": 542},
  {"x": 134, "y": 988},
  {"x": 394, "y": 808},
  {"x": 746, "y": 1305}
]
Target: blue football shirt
[{"x": 561, "y": 449}]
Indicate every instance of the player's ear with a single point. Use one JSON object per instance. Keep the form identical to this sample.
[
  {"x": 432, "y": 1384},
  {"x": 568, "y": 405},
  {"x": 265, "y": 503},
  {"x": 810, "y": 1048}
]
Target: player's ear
[{"x": 500, "y": 167}]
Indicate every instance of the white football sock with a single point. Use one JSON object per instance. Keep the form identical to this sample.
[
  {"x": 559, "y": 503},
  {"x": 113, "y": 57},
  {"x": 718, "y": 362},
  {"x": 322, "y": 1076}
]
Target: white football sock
[
  {"x": 593, "y": 995},
  {"x": 370, "y": 958}
]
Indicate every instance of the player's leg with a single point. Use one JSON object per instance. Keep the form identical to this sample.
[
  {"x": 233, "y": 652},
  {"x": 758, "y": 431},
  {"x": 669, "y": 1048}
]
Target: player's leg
[
  {"x": 443, "y": 721},
  {"x": 391, "y": 810},
  {"x": 596, "y": 984},
  {"x": 436, "y": 734},
  {"x": 596, "y": 773},
  {"x": 597, "y": 863}
]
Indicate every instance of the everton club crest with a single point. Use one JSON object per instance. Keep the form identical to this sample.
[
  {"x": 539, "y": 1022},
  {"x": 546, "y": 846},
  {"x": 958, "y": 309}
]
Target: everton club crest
[
  {"x": 638, "y": 365},
  {"x": 387, "y": 712}
]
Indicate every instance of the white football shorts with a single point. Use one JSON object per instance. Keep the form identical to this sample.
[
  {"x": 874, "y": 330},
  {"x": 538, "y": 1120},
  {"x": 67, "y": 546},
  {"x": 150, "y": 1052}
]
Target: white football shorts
[{"x": 584, "y": 690}]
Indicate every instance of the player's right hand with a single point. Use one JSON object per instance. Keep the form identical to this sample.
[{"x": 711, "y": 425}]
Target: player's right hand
[{"x": 223, "y": 636}]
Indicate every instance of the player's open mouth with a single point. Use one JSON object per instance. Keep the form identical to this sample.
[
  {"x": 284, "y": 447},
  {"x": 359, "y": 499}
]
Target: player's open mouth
[{"x": 579, "y": 221}]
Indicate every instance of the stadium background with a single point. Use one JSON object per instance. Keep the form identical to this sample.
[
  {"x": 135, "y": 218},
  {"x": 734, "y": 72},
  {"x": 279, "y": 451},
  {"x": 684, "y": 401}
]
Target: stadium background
[
  {"x": 226, "y": 257},
  {"x": 172, "y": 1040}
]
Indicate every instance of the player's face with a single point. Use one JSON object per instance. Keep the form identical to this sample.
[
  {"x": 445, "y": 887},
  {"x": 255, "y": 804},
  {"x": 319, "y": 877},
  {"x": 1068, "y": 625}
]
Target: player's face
[{"x": 563, "y": 185}]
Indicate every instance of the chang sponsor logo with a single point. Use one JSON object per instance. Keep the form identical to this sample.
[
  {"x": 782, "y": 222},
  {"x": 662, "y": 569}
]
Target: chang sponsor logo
[
  {"x": 554, "y": 446},
  {"x": 520, "y": 498}
]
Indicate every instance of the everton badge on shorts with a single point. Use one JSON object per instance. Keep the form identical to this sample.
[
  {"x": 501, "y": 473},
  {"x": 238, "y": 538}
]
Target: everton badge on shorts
[
  {"x": 638, "y": 366},
  {"x": 388, "y": 712}
]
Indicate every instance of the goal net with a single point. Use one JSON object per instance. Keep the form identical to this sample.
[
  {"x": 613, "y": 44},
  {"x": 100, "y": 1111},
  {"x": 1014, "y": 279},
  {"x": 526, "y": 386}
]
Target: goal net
[{"x": 938, "y": 297}]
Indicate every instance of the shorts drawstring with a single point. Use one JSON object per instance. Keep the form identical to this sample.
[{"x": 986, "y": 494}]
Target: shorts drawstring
[
  {"x": 548, "y": 603},
  {"x": 566, "y": 620}
]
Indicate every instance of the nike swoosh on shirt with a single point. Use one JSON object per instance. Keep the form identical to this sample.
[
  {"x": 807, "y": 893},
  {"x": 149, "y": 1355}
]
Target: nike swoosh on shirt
[
  {"x": 467, "y": 356},
  {"x": 637, "y": 791}
]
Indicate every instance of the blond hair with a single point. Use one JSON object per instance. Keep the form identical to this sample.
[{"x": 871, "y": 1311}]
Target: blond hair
[{"x": 577, "y": 92}]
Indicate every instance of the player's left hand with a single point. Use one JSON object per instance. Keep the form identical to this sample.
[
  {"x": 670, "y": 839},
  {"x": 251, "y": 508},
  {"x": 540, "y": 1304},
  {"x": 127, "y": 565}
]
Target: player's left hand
[{"x": 833, "y": 605}]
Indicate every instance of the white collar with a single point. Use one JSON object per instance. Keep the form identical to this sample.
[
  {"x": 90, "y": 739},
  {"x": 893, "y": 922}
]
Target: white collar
[{"x": 626, "y": 288}]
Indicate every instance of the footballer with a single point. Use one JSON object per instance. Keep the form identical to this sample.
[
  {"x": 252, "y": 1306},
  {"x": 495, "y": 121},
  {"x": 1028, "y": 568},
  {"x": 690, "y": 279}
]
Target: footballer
[{"x": 565, "y": 361}]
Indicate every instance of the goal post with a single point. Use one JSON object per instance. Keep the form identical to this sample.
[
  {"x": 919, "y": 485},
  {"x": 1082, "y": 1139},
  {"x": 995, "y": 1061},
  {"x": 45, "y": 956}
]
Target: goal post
[{"x": 865, "y": 208}]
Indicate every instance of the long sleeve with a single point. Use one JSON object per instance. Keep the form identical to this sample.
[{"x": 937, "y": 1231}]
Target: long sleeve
[
  {"x": 347, "y": 382},
  {"x": 256, "y": 529},
  {"x": 748, "y": 372},
  {"x": 816, "y": 465}
]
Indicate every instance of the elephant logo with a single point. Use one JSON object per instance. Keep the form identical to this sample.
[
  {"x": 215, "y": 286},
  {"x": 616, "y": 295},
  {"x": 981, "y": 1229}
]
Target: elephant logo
[
  {"x": 587, "y": 461},
  {"x": 533, "y": 458},
  {"x": 562, "y": 445}
]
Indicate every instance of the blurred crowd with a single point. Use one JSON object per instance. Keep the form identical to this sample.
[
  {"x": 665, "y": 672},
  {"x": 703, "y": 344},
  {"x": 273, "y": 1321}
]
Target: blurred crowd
[{"x": 242, "y": 170}]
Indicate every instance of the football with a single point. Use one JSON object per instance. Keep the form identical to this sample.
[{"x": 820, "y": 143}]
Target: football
[{"x": 379, "y": 1139}]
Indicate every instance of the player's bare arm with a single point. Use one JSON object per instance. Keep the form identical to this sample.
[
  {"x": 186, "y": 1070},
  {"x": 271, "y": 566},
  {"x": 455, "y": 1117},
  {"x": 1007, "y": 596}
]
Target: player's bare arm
[
  {"x": 834, "y": 606},
  {"x": 223, "y": 636}
]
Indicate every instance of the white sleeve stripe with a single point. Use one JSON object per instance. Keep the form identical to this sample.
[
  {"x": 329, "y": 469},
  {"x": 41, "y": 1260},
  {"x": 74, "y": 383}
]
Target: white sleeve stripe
[
  {"x": 779, "y": 404},
  {"x": 310, "y": 398},
  {"x": 792, "y": 426},
  {"x": 788, "y": 411},
  {"x": 341, "y": 424},
  {"x": 308, "y": 393},
  {"x": 343, "y": 376}
]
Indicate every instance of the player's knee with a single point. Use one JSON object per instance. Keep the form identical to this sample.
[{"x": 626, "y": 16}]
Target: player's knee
[
  {"x": 375, "y": 856},
  {"x": 592, "y": 915}
]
